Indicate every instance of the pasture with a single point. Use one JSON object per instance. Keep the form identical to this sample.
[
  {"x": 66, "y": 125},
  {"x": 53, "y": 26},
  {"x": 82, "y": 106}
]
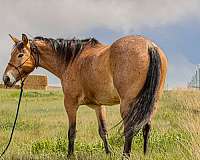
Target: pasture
[{"x": 41, "y": 131}]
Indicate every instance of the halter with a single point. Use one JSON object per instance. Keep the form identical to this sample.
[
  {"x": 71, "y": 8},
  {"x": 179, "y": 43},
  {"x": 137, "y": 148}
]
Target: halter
[{"x": 34, "y": 51}]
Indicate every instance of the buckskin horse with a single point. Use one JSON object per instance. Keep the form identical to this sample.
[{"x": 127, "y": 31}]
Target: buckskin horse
[{"x": 131, "y": 72}]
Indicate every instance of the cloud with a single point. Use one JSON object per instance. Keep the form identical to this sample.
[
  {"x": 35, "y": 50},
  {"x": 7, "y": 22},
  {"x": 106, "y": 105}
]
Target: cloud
[
  {"x": 75, "y": 16},
  {"x": 68, "y": 18}
]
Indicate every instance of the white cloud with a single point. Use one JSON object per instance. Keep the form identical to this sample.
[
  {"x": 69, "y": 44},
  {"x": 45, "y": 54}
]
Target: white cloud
[
  {"x": 72, "y": 16},
  {"x": 65, "y": 18}
]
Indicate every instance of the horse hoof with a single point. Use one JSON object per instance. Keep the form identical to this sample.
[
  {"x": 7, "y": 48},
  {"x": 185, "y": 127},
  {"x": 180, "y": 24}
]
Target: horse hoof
[
  {"x": 71, "y": 156},
  {"x": 109, "y": 153},
  {"x": 125, "y": 157}
]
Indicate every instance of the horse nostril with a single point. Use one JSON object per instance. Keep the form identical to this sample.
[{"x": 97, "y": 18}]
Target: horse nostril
[{"x": 6, "y": 79}]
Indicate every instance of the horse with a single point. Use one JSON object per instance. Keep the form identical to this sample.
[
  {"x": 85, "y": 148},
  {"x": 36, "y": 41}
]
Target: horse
[{"x": 130, "y": 72}]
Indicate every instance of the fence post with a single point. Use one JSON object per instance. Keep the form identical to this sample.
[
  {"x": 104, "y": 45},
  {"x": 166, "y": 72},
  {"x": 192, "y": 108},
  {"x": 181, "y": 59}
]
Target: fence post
[
  {"x": 198, "y": 70},
  {"x": 196, "y": 79}
]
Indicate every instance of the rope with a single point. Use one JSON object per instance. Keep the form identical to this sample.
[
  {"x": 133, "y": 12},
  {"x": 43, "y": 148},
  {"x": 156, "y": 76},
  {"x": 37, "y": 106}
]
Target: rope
[{"x": 15, "y": 121}]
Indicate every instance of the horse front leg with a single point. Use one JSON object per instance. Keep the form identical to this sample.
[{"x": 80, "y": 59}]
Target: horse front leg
[
  {"x": 71, "y": 110},
  {"x": 71, "y": 138}
]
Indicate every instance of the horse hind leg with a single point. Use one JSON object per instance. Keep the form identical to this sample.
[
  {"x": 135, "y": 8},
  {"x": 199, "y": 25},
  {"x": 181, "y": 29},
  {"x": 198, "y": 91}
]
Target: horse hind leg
[
  {"x": 128, "y": 134},
  {"x": 128, "y": 141},
  {"x": 137, "y": 113},
  {"x": 146, "y": 134},
  {"x": 101, "y": 117}
]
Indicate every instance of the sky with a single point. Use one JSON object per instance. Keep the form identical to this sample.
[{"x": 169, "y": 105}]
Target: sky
[{"x": 172, "y": 25}]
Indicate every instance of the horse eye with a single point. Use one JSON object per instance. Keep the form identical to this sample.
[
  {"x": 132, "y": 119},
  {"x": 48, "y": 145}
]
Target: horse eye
[{"x": 20, "y": 55}]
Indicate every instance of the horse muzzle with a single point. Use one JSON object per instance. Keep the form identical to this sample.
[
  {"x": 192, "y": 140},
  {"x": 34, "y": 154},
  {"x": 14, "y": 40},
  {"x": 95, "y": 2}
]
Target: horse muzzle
[{"x": 9, "y": 80}]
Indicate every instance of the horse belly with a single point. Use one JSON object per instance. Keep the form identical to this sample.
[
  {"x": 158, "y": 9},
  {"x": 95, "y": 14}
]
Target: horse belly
[
  {"x": 100, "y": 91},
  {"x": 97, "y": 81},
  {"x": 106, "y": 95}
]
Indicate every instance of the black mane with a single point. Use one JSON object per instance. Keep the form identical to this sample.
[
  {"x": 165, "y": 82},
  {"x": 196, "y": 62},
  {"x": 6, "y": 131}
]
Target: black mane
[{"x": 68, "y": 49}]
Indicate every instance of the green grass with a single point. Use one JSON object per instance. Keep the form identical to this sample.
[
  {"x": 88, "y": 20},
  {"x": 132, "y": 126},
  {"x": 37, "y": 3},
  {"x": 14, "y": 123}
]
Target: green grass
[{"x": 41, "y": 131}]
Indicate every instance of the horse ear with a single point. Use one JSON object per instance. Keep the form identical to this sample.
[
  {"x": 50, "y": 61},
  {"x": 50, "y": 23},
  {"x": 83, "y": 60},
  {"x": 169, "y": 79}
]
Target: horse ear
[
  {"x": 24, "y": 39},
  {"x": 15, "y": 40}
]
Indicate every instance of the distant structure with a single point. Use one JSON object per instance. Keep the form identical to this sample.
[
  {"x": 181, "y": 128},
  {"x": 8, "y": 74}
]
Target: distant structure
[
  {"x": 195, "y": 81},
  {"x": 35, "y": 82}
]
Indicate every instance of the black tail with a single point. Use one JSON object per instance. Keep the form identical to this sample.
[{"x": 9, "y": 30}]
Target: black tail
[{"x": 140, "y": 111}]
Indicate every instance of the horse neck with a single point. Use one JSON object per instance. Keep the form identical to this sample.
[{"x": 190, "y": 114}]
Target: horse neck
[{"x": 49, "y": 60}]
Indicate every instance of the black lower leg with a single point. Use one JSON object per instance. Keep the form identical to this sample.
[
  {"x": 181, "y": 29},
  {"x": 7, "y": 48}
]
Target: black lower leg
[
  {"x": 103, "y": 135},
  {"x": 146, "y": 134},
  {"x": 71, "y": 138},
  {"x": 127, "y": 144}
]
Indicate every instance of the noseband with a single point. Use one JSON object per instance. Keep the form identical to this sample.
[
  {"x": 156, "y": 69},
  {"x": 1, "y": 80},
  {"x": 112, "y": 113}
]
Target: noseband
[{"x": 34, "y": 53}]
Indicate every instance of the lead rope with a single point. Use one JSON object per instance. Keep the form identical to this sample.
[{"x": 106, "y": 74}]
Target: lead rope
[{"x": 15, "y": 121}]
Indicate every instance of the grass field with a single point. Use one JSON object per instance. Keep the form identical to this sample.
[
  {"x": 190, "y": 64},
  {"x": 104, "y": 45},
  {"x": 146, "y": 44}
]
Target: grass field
[{"x": 41, "y": 131}]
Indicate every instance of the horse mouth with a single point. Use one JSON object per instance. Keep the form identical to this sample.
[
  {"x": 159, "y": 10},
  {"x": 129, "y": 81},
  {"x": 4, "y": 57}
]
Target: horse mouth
[{"x": 10, "y": 84}]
